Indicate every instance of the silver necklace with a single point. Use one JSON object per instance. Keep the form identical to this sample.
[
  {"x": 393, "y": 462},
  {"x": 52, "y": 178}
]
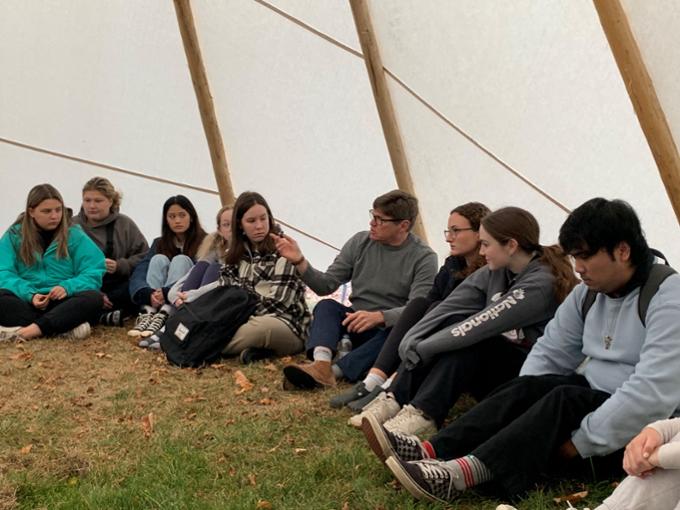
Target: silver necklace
[{"x": 611, "y": 326}]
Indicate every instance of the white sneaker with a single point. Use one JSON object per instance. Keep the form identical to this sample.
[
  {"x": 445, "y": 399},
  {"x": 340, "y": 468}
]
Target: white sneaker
[
  {"x": 411, "y": 421},
  {"x": 383, "y": 407},
  {"x": 505, "y": 507},
  {"x": 142, "y": 321},
  {"x": 79, "y": 332},
  {"x": 8, "y": 333}
]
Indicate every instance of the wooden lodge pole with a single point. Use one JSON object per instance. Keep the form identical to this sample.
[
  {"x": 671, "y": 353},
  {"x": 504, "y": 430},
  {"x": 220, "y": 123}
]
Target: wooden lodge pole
[
  {"x": 383, "y": 100},
  {"x": 643, "y": 96},
  {"x": 187, "y": 28}
]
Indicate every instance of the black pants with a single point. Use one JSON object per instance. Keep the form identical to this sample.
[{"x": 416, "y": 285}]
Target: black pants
[
  {"x": 119, "y": 293},
  {"x": 517, "y": 430},
  {"x": 58, "y": 317},
  {"x": 478, "y": 369},
  {"x": 388, "y": 359}
]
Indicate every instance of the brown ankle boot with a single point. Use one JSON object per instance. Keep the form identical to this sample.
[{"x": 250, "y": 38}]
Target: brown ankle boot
[{"x": 317, "y": 374}]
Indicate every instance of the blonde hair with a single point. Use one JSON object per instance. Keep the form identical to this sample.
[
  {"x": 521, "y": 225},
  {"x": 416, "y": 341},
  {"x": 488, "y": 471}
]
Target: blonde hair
[
  {"x": 104, "y": 186},
  {"x": 30, "y": 238},
  {"x": 215, "y": 242}
]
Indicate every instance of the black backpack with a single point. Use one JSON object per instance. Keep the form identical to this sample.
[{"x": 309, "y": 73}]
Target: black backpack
[
  {"x": 198, "y": 331},
  {"x": 657, "y": 275}
]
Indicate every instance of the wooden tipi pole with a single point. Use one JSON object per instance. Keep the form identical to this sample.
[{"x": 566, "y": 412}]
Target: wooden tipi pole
[
  {"x": 643, "y": 95},
  {"x": 383, "y": 100},
  {"x": 187, "y": 28}
]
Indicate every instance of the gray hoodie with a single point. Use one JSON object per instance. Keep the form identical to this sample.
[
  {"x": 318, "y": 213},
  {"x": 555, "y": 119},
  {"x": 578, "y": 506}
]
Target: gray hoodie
[
  {"x": 129, "y": 245},
  {"x": 495, "y": 302}
]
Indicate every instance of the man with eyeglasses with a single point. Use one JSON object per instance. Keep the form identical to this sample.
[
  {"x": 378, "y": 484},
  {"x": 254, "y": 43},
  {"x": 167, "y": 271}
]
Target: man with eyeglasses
[{"x": 387, "y": 266}]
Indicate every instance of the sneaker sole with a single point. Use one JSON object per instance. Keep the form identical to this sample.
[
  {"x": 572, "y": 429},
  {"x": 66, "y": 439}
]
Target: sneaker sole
[
  {"x": 359, "y": 404},
  {"x": 404, "y": 478},
  {"x": 134, "y": 333},
  {"x": 376, "y": 437},
  {"x": 147, "y": 333},
  {"x": 300, "y": 378}
]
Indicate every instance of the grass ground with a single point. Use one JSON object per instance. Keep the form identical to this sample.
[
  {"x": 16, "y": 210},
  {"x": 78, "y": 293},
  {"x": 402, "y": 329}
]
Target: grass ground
[{"x": 102, "y": 424}]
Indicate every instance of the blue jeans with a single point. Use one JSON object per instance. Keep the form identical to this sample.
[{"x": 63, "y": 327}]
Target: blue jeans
[
  {"x": 163, "y": 272},
  {"x": 327, "y": 329}
]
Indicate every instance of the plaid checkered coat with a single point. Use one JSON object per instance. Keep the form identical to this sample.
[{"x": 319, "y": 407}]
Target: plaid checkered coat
[{"x": 276, "y": 283}]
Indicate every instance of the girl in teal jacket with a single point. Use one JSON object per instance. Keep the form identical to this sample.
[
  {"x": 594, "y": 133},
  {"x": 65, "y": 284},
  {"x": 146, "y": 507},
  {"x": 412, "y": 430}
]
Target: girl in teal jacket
[{"x": 50, "y": 273}]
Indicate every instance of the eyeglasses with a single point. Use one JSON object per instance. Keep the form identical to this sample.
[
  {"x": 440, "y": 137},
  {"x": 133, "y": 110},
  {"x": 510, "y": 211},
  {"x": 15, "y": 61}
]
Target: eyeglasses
[
  {"x": 379, "y": 220},
  {"x": 453, "y": 231}
]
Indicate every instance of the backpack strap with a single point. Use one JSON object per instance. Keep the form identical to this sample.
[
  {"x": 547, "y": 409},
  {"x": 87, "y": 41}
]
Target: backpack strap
[
  {"x": 587, "y": 303},
  {"x": 657, "y": 275},
  {"x": 108, "y": 249}
]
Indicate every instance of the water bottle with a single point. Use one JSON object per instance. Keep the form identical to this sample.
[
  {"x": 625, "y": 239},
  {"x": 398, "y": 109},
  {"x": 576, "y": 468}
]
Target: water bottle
[{"x": 344, "y": 346}]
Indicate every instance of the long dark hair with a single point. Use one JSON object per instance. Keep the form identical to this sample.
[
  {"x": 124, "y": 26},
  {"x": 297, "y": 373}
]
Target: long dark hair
[
  {"x": 473, "y": 212},
  {"x": 192, "y": 237},
  {"x": 518, "y": 224},
  {"x": 30, "y": 242},
  {"x": 240, "y": 244}
]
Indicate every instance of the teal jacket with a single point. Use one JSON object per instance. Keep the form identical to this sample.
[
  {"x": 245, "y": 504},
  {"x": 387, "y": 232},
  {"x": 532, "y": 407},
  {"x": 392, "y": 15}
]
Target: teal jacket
[{"x": 82, "y": 270}]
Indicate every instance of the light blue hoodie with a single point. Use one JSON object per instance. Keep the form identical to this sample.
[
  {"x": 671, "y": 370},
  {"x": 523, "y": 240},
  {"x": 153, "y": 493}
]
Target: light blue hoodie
[{"x": 641, "y": 367}]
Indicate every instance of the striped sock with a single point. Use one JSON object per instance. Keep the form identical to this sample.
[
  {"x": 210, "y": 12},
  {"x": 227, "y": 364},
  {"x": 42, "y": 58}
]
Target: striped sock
[
  {"x": 472, "y": 471},
  {"x": 429, "y": 449}
]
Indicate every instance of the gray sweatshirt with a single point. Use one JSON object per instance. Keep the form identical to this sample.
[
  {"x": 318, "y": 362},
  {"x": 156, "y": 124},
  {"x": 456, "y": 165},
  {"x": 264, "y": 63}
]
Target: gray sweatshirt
[
  {"x": 384, "y": 278},
  {"x": 639, "y": 367},
  {"x": 495, "y": 302},
  {"x": 129, "y": 245}
]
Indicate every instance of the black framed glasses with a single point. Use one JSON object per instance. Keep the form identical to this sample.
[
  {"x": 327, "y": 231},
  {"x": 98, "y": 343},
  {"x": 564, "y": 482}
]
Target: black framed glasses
[
  {"x": 453, "y": 231},
  {"x": 379, "y": 220}
]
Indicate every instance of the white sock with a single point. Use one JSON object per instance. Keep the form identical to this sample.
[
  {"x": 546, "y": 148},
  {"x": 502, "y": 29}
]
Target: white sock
[
  {"x": 373, "y": 380},
  {"x": 149, "y": 309},
  {"x": 322, "y": 354},
  {"x": 166, "y": 308},
  {"x": 386, "y": 385},
  {"x": 337, "y": 371}
]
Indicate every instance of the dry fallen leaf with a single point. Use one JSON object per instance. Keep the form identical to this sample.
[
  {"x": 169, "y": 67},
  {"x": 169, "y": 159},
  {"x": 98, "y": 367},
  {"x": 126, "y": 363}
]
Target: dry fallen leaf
[
  {"x": 26, "y": 449},
  {"x": 22, "y": 356},
  {"x": 147, "y": 424},
  {"x": 345, "y": 505},
  {"x": 286, "y": 359},
  {"x": 271, "y": 367},
  {"x": 191, "y": 416},
  {"x": 263, "y": 505},
  {"x": 576, "y": 496},
  {"x": 252, "y": 480},
  {"x": 298, "y": 451},
  {"x": 266, "y": 401},
  {"x": 242, "y": 382}
]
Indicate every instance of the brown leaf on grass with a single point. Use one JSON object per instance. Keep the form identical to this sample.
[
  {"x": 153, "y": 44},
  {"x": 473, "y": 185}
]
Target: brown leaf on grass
[
  {"x": 263, "y": 505},
  {"x": 576, "y": 496},
  {"x": 22, "y": 356},
  {"x": 266, "y": 401},
  {"x": 345, "y": 505},
  {"x": 271, "y": 367},
  {"x": 191, "y": 416},
  {"x": 242, "y": 382},
  {"x": 26, "y": 449},
  {"x": 147, "y": 424},
  {"x": 264, "y": 389},
  {"x": 100, "y": 355},
  {"x": 90, "y": 390},
  {"x": 232, "y": 471},
  {"x": 299, "y": 451},
  {"x": 230, "y": 421},
  {"x": 252, "y": 480},
  {"x": 286, "y": 359}
]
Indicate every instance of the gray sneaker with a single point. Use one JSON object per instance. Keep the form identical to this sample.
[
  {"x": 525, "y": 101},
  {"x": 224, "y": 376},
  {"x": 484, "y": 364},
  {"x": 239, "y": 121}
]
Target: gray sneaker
[
  {"x": 9, "y": 333},
  {"x": 434, "y": 480},
  {"x": 387, "y": 444},
  {"x": 80, "y": 332}
]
